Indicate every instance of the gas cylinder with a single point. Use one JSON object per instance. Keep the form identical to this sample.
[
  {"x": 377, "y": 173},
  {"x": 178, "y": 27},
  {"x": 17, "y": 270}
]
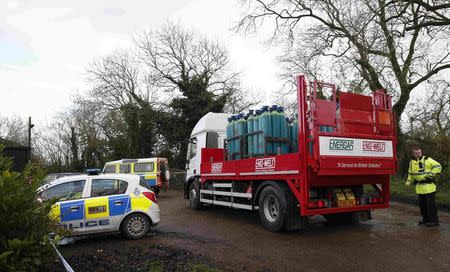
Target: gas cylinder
[
  {"x": 231, "y": 143},
  {"x": 250, "y": 129},
  {"x": 229, "y": 133},
  {"x": 237, "y": 146},
  {"x": 289, "y": 126},
  {"x": 256, "y": 129},
  {"x": 275, "y": 119},
  {"x": 283, "y": 130},
  {"x": 265, "y": 125},
  {"x": 295, "y": 135},
  {"x": 239, "y": 131}
]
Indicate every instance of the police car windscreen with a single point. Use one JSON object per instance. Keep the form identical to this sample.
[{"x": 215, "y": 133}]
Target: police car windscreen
[{"x": 110, "y": 168}]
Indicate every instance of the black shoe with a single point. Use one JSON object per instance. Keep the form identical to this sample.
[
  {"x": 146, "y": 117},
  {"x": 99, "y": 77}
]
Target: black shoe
[
  {"x": 432, "y": 224},
  {"x": 421, "y": 222}
]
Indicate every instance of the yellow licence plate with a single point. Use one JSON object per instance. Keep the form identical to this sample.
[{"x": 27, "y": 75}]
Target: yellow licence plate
[{"x": 346, "y": 203}]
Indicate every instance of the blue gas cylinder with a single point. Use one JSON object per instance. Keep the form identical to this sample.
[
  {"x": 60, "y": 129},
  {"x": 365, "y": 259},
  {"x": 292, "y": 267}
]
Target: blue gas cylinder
[
  {"x": 250, "y": 129},
  {"x": 237, "y": 146},
  {"x": 295, "y": 135},
  {"x": 241, "y": 130},
  {"x": 256, "y": 129},
  {"x": 275, "y": 119},
  {"x": 289, "y": 126},
  {"x": 229, "y": 133},
  {"x": 265, "y": 125},
  {"x": 284, "y": 132},
  {"x": 231, "y": 143}
]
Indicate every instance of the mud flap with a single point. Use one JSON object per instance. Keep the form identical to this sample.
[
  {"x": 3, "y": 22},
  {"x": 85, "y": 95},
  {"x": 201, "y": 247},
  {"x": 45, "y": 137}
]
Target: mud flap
[
  {"x": 294, "y": 221},
  {"x": 348, "y": 218},
  {"x": 361, "y": 216}
]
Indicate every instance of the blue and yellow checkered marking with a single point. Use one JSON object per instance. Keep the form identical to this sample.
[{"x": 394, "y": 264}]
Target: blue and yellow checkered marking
[
  {"x": 73, "y": 210},
  {"x": 151, "y": 182},
  {"x": 150, "y": 179},
  {"x": 119, "y": 205},
  {"x": 100, "y": 207}
]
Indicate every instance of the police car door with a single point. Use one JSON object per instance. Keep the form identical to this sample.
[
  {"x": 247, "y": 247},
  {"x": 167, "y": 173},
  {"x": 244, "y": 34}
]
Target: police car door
[
  {"x": 69, "y": 210},
  {"x": 107, "y": 204}
]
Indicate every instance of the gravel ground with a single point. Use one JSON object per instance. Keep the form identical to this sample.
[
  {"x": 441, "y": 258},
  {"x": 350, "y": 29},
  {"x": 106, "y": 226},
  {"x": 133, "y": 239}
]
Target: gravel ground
[{"x": 114, "y": 253}]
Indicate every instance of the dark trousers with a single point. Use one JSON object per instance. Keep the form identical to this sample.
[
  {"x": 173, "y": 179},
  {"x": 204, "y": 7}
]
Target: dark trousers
[{"x": 428, "y": 209}]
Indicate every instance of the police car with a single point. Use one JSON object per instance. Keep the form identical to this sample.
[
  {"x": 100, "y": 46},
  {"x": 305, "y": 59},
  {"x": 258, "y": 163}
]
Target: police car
[{"x": 90, "y": 204}]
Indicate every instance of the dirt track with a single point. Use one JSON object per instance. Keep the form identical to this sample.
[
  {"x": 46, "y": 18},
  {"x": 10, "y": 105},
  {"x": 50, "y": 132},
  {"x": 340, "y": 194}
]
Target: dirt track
[{"x": 234, "y": 241}]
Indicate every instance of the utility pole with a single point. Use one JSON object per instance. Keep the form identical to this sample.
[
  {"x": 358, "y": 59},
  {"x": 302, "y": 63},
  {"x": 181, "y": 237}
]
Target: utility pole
[{"x": 30, "y": 126}]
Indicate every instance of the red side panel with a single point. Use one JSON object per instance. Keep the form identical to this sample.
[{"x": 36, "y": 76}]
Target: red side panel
[
  {"x": 356, "y": 166},
  {"x": 346, "y": 180},
  {"x": 353, "y": 101},
  {"x": 356, "y": 113},
  {"x": 254, "y": 168},
  {"x": 279, "y": 164},
  {"x": 212, "y": 154},
  {"x": 325, "y": 113}
]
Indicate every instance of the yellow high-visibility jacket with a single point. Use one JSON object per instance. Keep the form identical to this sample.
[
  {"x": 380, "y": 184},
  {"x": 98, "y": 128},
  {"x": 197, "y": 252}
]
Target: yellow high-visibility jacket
[{"x": 424, "y": 169}]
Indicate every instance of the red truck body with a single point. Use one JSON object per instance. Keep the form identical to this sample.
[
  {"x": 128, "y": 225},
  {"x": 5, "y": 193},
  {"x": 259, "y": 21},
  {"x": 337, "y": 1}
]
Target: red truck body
[{"x": 359, "y": 149}]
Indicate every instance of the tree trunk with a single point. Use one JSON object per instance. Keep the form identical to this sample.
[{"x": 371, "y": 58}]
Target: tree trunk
[{"x": 399, "y": 107}]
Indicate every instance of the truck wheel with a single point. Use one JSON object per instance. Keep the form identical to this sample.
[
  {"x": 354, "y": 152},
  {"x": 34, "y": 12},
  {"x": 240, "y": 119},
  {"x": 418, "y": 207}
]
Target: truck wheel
[
  {"x": 272, "y": 208},
  {"x": 135, "y": 226},
  {"x": 194, "y": 196}
]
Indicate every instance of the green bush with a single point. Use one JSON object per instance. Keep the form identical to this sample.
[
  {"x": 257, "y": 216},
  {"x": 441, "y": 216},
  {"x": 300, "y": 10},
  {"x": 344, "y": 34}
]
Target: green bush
[{"x": 24, "y": 222}]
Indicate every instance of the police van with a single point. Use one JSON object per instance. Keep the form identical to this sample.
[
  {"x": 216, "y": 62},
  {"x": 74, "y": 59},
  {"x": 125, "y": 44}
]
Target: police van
[
  {"x": 90, "y": 204},
  {"x": 155, "y": 171}
]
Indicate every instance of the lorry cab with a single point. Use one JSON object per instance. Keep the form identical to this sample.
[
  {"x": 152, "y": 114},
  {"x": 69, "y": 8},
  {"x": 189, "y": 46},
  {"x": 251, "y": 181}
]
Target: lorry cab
[{"x": 209, "y": 132}]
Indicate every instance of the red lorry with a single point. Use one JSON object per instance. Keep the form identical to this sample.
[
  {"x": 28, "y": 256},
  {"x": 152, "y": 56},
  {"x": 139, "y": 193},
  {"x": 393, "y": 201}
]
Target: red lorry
[{"x": 341, "y": 173}]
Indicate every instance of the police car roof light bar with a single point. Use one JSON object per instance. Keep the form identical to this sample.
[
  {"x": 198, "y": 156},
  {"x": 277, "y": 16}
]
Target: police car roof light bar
[{"x": 93, "y": 171}]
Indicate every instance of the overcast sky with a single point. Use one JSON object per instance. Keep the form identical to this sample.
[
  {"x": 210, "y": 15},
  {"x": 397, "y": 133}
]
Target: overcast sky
[{"x": 47, "y": 45}]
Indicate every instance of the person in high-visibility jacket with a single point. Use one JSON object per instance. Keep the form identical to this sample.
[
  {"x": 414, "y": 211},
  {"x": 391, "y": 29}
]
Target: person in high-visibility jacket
[{"x": 423, "y": 172}]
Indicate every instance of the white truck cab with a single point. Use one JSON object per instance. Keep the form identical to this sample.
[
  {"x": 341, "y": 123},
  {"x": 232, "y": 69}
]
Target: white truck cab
[{"x": 209, "y": 132}]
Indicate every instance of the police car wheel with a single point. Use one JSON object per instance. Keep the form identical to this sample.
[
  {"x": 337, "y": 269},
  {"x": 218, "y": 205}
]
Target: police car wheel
[{"x": 135, "y": 226}]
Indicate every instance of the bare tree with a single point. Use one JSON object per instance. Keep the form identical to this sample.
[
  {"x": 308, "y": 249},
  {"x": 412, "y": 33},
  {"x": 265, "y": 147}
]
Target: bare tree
[
  {"x": 193, "y": 73},
  {"x": 72, "y": 141},
  {"x": 431, "y": 116},
  {"x": 116, "y": 81},
  {"x": 13, "y": 129},
  {"x": 176, "y": 57},
  {"x": 395, "y": 45},
  {"x": 428, "y": 124}
]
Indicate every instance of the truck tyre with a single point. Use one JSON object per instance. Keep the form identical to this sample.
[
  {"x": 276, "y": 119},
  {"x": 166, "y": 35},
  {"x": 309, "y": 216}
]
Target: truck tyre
[
  {"x": 135, "y": 226},
  {"x": 272, "y": 208},
  {"x": 194, "y": 195}
]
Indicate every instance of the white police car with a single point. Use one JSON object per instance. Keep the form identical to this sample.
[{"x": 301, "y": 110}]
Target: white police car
[{"x": 102, "y": 203}]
